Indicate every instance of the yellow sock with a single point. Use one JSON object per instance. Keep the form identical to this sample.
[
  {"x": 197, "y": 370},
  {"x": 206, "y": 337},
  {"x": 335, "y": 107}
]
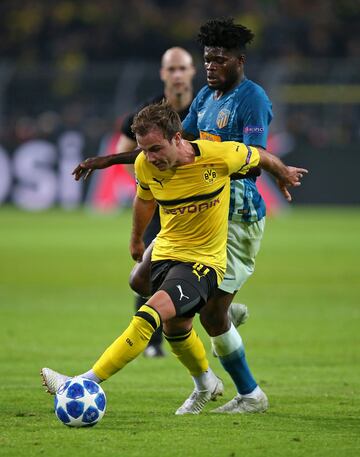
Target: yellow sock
[
  {"x": 128, "y": 345},
  {"x": 190, "y": 351}
]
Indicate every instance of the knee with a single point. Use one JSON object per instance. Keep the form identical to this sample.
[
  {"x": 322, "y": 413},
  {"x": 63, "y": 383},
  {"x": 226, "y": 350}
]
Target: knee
[
  {"x": 215, "y": 323},
  {"x": 207, "y": 319},
  {"x": 177, "y": 326},
  {"x": 139, "y": 284}
]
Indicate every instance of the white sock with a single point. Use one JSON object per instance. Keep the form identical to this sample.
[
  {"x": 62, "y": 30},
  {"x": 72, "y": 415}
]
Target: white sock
[
  {"x": 226, "y": 343},
  {"x": 255, "y": 393},
  {"x": 206, "y": 381},
  {"x": 91, "y": 375}
]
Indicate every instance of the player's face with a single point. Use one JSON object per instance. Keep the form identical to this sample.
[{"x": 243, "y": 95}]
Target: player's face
[
  {"x": 159, "y": 151},
  {"x": 224, "y": 70},
  {"x": 177, "y": 72}
]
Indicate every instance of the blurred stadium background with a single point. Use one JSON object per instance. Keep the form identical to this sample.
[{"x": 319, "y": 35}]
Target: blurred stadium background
[{"x": 69, "y": 71}]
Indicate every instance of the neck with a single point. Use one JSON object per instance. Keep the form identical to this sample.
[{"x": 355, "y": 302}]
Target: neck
[
  {"x": 220, "y": 92},
  {"x": 186, "y": 153}
]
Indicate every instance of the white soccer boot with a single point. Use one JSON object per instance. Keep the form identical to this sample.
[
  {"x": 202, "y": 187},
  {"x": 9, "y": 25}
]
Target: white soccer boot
[
  {"x": 198, "y": 399},
  {"x": 242, "y": 405},
  {"x": 52, "y": 380},
  {"x": 238, "y": 313}
]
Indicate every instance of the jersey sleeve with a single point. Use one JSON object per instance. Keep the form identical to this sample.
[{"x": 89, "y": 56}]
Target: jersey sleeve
[
  {"x": 142, "y": 187},
  {"x": 257, "y": 117},
  {"x": 240, "y": 158}
]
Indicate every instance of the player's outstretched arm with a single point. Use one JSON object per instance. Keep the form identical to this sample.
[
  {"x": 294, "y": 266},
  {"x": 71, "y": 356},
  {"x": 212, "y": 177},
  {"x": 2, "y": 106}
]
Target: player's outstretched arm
[
  {"x": 286, "y": 176},
  {"x": 85, "y": 168}
]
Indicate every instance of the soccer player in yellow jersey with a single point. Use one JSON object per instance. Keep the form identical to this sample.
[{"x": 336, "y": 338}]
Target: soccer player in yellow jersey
[
  {"x": 177, "y": 72},
  {"x": 193, "y": 199},
  {"x": 190, "y": 182}
]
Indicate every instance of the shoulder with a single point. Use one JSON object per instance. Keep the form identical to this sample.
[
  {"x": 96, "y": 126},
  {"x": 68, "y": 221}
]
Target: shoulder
[
  {"x": 254, "y": 92},
  {"x": 210, "y": 149},
  {"x": 221, "y": 154},
  {"x": 203, "y": 93},
  {"x": 140, "y": 161}
]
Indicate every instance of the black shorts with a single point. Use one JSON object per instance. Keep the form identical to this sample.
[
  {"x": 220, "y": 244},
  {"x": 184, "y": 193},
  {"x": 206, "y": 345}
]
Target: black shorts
[{"x": 189, "y": 285}]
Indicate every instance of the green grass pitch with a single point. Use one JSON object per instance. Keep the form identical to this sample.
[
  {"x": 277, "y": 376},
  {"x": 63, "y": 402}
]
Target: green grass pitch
[{"x": 64, "y": 298}]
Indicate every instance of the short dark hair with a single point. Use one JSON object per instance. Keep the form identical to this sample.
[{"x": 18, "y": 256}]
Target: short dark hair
[
  {"x": 223, "y": 33},
  {"x": 158, "y": 115}
]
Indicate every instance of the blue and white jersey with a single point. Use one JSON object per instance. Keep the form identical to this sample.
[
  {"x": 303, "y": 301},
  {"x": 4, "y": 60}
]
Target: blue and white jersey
[{"x": 243, "y": 115}]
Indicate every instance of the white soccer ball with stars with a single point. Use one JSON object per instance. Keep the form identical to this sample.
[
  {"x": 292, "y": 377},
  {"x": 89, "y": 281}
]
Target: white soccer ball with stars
[{"x": 80, "y": 402}]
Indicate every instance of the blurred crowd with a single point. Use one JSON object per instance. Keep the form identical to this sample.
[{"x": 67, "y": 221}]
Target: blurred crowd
[
  {"x": 73, "y": 32},
  {"x": 64, "y": 38}
]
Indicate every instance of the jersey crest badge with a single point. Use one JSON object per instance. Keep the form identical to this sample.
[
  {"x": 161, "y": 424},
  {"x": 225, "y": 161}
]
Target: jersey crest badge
[
  {"x": 223, "y": 118},
  {"x": 209, "y": 175}
]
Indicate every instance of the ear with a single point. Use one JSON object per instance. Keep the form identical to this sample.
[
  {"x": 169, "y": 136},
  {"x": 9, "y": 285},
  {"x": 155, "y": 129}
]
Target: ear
[{"x": 178, "y": 138}]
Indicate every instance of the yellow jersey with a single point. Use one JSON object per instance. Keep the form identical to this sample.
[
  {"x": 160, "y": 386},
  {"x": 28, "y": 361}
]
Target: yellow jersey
[{"x": 194, "y": 201}]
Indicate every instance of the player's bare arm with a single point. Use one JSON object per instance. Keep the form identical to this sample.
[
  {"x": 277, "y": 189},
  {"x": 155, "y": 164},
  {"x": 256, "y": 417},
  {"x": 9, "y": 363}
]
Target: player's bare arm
[
  {"x": 286, "y": 176},
  {"x": 85, "y": 168},
  {"x": 143, "y": 211}
]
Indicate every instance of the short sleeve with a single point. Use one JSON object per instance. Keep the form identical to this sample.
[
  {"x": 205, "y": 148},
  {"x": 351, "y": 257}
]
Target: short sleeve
[
  {"x": 257, "y": 117},
  {"x": 240, "y": 158}
]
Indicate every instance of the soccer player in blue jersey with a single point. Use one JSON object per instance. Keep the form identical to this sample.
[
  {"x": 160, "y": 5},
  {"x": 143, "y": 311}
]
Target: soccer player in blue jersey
[{"x": 232, "y": 107}]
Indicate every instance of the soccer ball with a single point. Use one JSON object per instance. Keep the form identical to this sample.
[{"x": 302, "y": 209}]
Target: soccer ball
[{"x": 80, "y": 403}]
